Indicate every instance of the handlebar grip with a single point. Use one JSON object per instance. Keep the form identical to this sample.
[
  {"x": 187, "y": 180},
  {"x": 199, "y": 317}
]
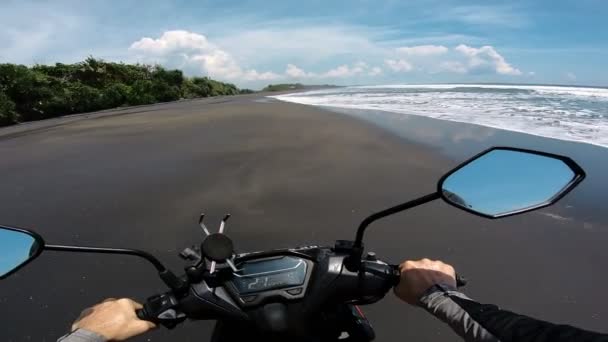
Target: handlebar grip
[
  {"x": 141, "y": 314},
  {"x": 460, "y": 280},
  {"x": 162, "y": 309}
]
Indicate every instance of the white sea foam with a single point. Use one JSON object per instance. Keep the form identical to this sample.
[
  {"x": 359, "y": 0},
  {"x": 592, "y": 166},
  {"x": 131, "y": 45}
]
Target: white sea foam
[
  {"x": 567, "y": 113},
  {"x": 559, "y": 90}
]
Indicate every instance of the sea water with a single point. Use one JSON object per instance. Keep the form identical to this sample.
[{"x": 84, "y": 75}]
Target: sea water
[{"x": 567, "y": 113}]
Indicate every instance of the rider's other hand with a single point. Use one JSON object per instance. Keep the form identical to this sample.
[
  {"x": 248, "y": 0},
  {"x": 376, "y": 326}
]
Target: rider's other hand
[
  {"x": 113, "y": 319},
  {"x": 418, "y": 276}
]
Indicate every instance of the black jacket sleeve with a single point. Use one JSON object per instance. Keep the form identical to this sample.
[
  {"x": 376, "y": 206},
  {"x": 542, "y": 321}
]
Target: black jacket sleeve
[
  {"x": 486, "y": 322},
  {"x": 82, "y": 335}
]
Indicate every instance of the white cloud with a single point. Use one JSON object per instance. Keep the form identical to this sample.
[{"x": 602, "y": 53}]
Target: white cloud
[
  {"x": 196, "y": 54},
  {"x": 171, "y": 41},
  {"x": 189, "y": 49},
  {"x": 462, "y": 59},
  {"x": 398, "y": 65},
  {"x": 495, "y": 15},
  {"x": 295, "y": 72},
  {"x": 344, "y": 71},
  {"x": 360, "y": 65},
  {"x": 486, "y": 57},
  {"x": 253, "y": 75},
  {"x": 531, "y": 73},
  {"x": 216, "y": 63},
  {"x": 375, "y": 71},
  {"x": 453, "y": 66},
  {"x": 423, "y": 50},
  {"x": 341, "y": 71},
  {"x": 571, "y": 76},
  {"x": 303, "y": 42}
]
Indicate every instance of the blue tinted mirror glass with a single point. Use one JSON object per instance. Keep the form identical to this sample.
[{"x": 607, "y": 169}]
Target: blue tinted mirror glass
[
  {"x": 505, "y": 181},
  {"x": 16, "y": 248}
]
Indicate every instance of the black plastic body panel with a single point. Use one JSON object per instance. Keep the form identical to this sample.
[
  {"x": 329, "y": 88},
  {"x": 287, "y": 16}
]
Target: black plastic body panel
[{"x": 316, "y": 312}]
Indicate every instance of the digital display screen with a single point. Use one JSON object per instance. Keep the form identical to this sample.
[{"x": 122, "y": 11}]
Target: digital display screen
[{"x": 269, "y": 274}]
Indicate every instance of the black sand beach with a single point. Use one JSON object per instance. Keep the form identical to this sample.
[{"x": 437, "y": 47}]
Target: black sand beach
[{"x": 290, "y": 175}]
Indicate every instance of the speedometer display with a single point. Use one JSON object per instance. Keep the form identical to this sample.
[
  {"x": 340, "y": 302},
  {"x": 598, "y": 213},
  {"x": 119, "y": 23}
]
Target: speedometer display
[{"x": 269, "y": 274}]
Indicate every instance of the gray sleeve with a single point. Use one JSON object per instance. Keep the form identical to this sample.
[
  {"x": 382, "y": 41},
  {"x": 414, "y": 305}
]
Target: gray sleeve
[
  {"x": 82, "y": 335},
  {"x": 437, "y": 300}
]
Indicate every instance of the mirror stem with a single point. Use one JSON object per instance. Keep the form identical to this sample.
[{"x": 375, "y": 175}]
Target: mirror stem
[
  {"x": 353, "y": 261},
  {"x": 390, "y": 211},
  {"x": 165, "y": 274}
]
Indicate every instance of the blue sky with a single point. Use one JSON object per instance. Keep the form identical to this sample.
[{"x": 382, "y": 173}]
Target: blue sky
[{"x": 253, "y": 43}]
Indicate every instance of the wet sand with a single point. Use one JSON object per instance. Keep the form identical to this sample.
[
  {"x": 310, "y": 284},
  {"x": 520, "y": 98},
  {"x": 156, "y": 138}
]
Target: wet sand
[
  {"x": 290, "y": 175},
  {"x": 458, "y": 141}
]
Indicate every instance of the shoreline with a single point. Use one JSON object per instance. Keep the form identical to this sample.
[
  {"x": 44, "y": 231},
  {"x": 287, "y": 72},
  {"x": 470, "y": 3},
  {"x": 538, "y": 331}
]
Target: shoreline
[
  {"x": 574, "y": 114},
  {"x": 458, "y": 141},
  {"x": 345, "y": 109}
]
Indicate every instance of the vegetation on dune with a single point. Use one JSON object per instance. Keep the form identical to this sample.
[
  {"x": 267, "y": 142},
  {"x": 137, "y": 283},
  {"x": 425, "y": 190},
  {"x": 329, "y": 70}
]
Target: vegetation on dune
[
  {"x": 46, "y": 91},
  {"x": 295, "y": 86},
  {"x": 284, "y": 87}
]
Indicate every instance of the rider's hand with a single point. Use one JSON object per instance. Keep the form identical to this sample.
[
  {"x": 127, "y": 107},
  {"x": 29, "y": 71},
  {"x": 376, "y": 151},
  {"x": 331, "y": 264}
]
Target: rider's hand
[
  {"x": 113, "y": 319},
  {"x": 419, "y": 276}
]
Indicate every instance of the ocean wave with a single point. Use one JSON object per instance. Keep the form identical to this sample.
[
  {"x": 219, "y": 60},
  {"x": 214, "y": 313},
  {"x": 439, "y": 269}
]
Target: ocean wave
[
  {"x": 557, "y": 90},
  {"x": 566, "y": 113}
]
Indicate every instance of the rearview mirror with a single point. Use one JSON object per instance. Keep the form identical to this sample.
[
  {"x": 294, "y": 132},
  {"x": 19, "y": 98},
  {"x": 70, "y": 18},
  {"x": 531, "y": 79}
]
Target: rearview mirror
[
  {"x": 507, "y": 181},
  {"x": 17, "y": 248}
]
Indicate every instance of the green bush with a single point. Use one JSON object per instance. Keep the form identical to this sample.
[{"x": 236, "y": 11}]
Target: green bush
[
  {"x": 8, "y": 115},
  {"x": 141, "y": 93},
  {"x": 84, "y": 98},
  {"x": 189, "y": 89},
  {"x": 115, "y": 95},
  {"x": 46, "y": 91},
  {"x": 29, "y": 90},
  {"x": 163, "y": 92},
  {"x": 283, "y": 87}
]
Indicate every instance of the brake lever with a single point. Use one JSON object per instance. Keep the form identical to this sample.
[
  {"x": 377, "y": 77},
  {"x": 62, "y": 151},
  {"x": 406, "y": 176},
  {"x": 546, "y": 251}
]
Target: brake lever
[{"x": 461, "y": 281}]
